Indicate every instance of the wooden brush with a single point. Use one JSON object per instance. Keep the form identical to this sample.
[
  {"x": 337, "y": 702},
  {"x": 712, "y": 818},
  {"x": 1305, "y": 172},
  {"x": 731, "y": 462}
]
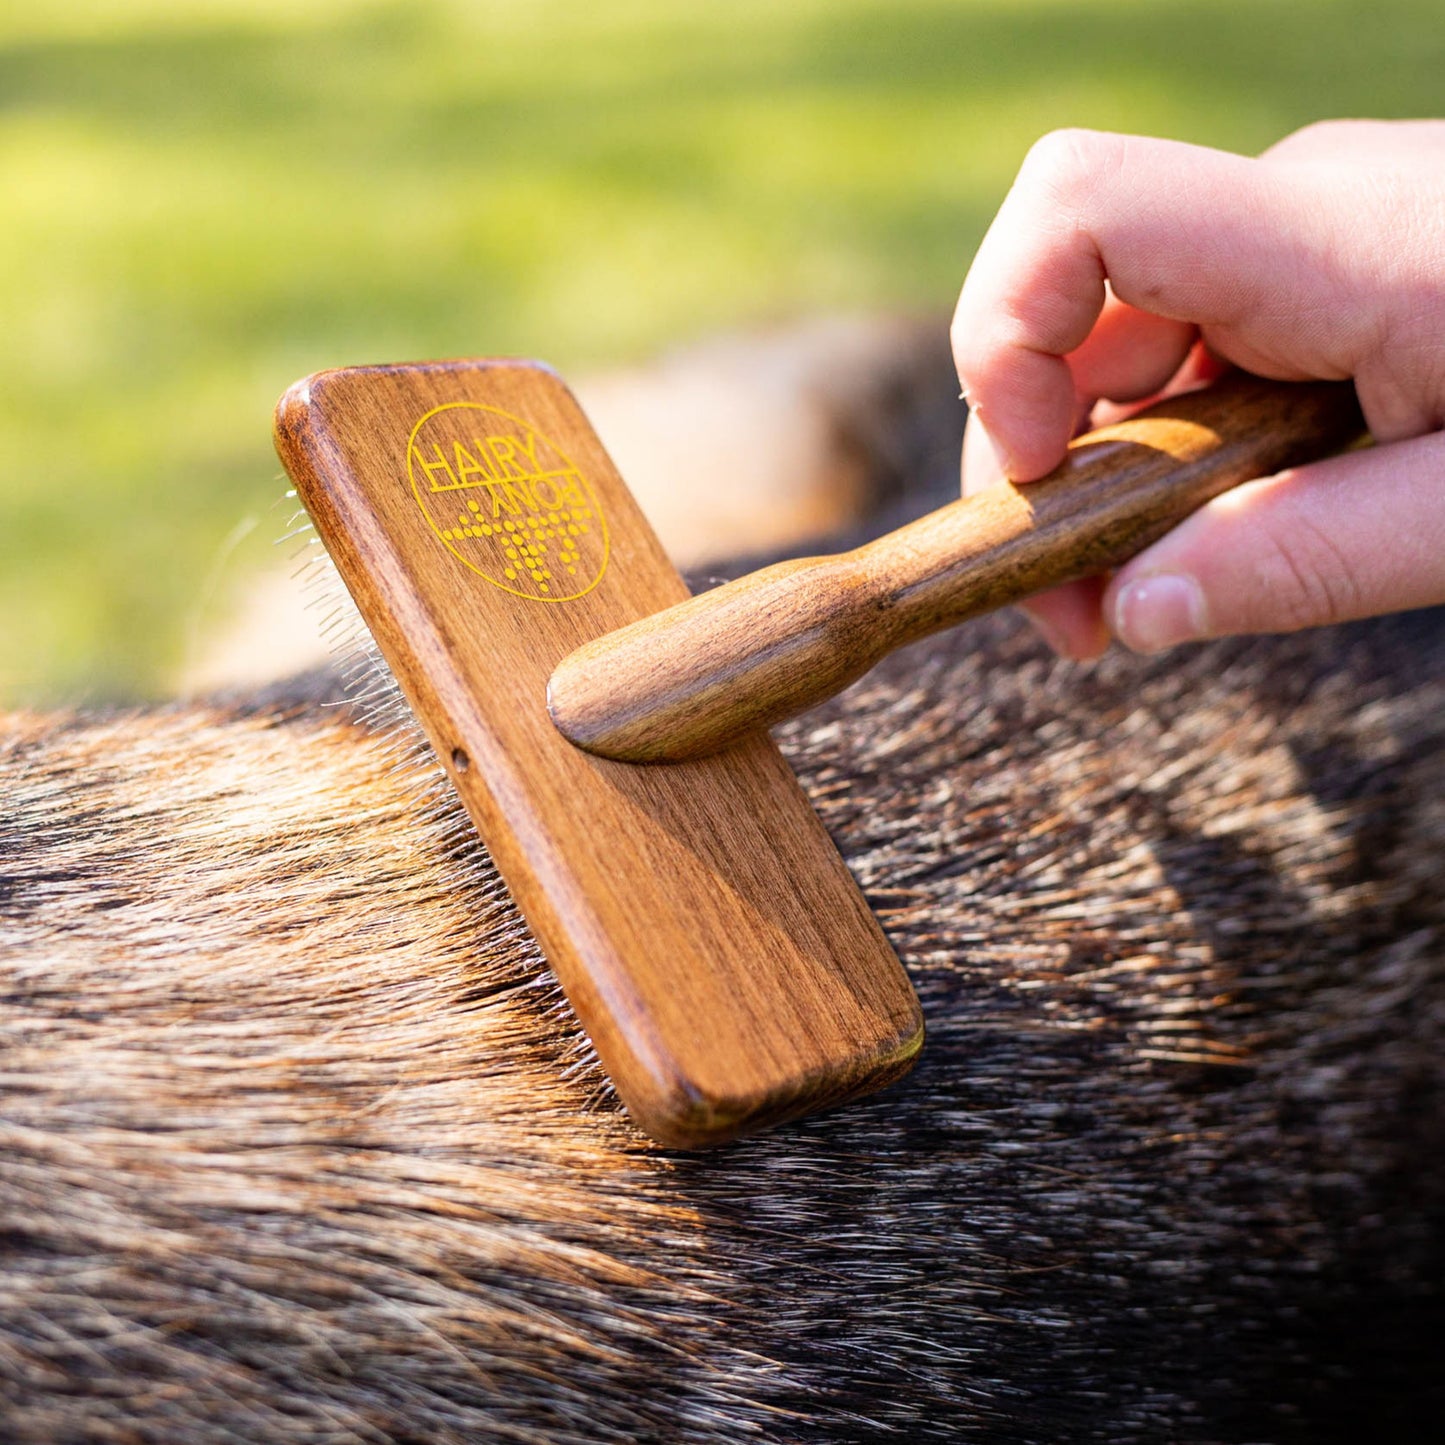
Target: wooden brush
[
  {"x": 718, "y": 667},
  {"x": 710, "y": 938}
]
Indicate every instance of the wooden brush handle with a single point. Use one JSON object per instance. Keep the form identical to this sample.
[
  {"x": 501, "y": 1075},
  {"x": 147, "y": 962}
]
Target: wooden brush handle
[{"x": 695, "y": 677}]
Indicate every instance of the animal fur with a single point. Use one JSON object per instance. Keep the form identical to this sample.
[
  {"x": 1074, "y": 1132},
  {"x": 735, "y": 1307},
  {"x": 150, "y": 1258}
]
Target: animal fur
[{"x": 299, "y": 1143}]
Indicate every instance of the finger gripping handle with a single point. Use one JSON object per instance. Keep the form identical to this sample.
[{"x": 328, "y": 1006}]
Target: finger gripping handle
[{"x": 691, "y": 679}]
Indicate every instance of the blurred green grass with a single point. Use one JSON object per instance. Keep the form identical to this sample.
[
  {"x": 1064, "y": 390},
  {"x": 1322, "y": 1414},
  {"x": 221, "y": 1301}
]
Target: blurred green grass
[{"x": 205, "y": 199}]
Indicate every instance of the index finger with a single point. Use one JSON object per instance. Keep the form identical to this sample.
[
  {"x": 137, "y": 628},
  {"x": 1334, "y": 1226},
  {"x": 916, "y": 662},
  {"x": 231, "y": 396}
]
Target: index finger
[{"x": 1181, "y": 232}]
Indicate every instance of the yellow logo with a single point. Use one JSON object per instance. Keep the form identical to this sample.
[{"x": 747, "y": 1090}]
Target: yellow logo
[{"x": 507, "y": 502}]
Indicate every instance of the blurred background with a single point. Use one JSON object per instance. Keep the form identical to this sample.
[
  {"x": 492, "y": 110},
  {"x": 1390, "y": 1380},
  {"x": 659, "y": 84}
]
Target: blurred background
[{"x": 205, "y": 199}]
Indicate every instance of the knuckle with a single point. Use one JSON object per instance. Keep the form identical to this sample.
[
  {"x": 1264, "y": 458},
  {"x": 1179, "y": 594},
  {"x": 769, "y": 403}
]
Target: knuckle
[
  {"x": 960, "y": 339},
  {"x": 1306, "y": 579},
  {"x": 968, "y": 362},
  {"x": 975, "y": 348},
  {"x": 985, "y": 348},
  {"x": 1318, "y": 135},
  {"x": 1068, "y": 162}
]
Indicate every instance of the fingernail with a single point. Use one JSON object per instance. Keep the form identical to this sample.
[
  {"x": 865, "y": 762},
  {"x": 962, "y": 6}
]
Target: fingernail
[{"x": 1159, "y": 612}]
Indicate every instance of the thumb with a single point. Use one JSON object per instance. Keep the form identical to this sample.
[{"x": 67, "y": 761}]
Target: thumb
[{"x": 1349, "y": 537}]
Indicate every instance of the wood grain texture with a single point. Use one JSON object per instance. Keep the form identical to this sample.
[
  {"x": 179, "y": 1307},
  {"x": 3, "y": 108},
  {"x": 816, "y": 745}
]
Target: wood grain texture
[
  {"x": 713, "y": 669},
  {"x": 712, "y": 941}
]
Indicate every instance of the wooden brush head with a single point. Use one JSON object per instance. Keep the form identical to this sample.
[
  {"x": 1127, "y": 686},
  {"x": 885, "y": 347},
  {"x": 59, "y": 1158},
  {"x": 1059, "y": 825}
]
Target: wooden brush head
[{"x": 711, "y": 940}]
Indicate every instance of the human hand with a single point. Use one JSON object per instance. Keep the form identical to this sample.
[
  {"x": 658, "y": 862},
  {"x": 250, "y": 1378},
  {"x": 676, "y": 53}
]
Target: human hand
[{"x": 1120, "y": 267}]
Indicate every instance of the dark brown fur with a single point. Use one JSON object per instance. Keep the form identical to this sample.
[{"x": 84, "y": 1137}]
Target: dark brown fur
[{"x": 301, "y": 1145}]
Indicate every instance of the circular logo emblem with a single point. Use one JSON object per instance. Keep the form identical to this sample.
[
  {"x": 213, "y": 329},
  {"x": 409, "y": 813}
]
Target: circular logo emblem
[{"x": 506, "y": 501}]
